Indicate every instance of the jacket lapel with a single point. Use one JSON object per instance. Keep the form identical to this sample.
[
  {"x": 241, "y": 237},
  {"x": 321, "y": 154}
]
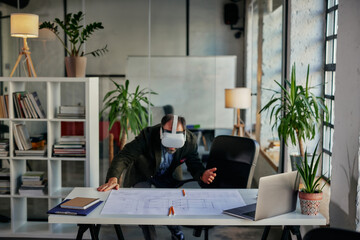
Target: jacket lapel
[{"x": 156, "y": 142}]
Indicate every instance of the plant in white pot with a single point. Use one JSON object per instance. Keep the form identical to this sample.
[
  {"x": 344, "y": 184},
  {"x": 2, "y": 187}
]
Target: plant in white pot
[
  {"x": 77, "y": 35},
  {"x": 311, "y": 194},
  {"x": 296, "y": 112}
]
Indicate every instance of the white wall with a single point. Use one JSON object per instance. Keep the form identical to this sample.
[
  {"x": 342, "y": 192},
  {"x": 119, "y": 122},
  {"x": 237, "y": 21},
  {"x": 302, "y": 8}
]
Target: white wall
[
  {"x": 271, "y": 67},
  {"x": 345, "y": 163},
  {"x": 306, "y": 47}
]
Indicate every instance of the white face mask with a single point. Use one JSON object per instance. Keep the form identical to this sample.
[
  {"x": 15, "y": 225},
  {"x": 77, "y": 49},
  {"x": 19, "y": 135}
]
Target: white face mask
[{"x": 173, "y": 139}]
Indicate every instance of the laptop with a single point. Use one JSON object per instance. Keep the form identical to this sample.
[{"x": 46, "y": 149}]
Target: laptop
[{"x": 277, "y": 195}]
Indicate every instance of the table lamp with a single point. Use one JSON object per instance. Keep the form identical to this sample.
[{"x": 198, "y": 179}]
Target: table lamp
[
  {"x": 24, "y": 25},
  {"x": 238, "y": 98}
]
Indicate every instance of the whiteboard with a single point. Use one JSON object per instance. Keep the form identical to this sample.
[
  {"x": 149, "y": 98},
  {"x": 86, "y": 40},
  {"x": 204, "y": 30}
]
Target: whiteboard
[{"x": 194, "y": 86}]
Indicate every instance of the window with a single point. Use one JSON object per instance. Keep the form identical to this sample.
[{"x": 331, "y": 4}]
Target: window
[{"x": 329, "y": 82}]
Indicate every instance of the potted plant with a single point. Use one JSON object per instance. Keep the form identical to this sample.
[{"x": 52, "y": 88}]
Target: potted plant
[
  {"x": 311, "y": 194},
  {"x": 296, "y": 112},
  {"x": 77, "y": 35},
  {"x": 127, "y": 108}
]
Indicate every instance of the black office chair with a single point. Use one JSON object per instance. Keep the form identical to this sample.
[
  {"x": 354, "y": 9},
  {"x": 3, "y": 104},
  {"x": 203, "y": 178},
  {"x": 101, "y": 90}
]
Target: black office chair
[
  {"x": 331, "y": 234},
  {"x": 235, "y": 159}
]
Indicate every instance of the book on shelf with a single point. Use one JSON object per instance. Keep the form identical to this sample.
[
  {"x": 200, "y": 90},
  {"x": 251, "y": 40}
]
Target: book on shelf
[
  {"x": 16, "y": 107},
  {"x": 22, "y": 137},
  {"x": 75, "y": 212},
  {"x": 68, "y": 145},
  {"x": 2, "y": 110},
  {"x": 34, "y": 183},
  {"x": 76, "y": 140},
  {"x": 32, "y": 186},
  {"x": 33, "y": 176},
  {"x": 37, "y": 104},
  {"x": 80, "y": 203},
  {"x": 68, "y": 109},
  {"x": 4, "y": 147},
  {"x": 17, "y": 138},
  {"x": 4, "y": 183},
  {"x": 4, "y": 190},
  {"x": 20, "y": 104},
  {"x": 4, "y": 172},
  {"x": 4, "y": 106},
  {"x": 4, "y": 153},
  {"x": 32, "y": 191},
  {"x": 4, "y": 180},
  {"x": 72, "y": 139},
  {"x": 37, "y": 151},
  {"x": 27, "y": 105},
  {"x": 71, "y": 115}
]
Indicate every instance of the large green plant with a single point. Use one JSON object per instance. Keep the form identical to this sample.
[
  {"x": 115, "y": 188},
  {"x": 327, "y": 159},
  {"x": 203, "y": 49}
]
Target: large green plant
[
  {"x": 308, "y": 170},
  {"x": 77, "y": 34},
  {"x": 128, "y": 108},
  {"x": 295, "y": 111}
]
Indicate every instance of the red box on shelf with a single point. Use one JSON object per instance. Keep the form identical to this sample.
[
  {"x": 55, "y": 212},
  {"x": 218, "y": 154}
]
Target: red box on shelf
[{"x": 72, "y": 129}]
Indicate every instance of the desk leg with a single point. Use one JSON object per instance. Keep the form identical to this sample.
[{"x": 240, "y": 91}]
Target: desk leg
[
  {"x": 295, "y": 230},
  {"x": 81, "y": 230},
  {"x": 94, "y": 231},
  {"x": 266, "y": 232},
  {"x": 119, "y": 232}
]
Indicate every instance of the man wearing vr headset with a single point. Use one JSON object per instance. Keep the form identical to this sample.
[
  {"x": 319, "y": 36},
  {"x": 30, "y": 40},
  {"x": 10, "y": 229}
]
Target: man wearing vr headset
[{"x": 151, "y": 159}]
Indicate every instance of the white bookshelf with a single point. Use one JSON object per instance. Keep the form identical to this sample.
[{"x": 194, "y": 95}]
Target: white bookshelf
[{"x": 53, "y": 92}]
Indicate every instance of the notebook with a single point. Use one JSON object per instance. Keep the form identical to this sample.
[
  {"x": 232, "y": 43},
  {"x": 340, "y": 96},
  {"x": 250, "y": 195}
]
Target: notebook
[
  {"x": 80, "y": 203},
  {"x": 76, "y": 212},
  {"x": 277, "y": 195}
]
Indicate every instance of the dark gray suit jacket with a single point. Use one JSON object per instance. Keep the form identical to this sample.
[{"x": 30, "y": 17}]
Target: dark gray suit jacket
[{"x": 142, "y": 158}]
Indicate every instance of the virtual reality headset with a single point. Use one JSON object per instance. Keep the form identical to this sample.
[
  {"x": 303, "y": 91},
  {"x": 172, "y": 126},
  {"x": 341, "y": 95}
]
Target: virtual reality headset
[{"x": 173, "y": 139}]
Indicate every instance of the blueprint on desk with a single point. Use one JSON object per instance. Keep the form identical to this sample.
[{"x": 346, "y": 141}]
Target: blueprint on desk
[{"x": 157, "y": 201}]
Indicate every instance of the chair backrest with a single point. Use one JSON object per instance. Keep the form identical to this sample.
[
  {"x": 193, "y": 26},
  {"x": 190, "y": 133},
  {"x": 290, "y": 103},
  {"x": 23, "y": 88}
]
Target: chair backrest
[
  {"x": 331, "y": 234},
  {"x": 235, "y": 159}
]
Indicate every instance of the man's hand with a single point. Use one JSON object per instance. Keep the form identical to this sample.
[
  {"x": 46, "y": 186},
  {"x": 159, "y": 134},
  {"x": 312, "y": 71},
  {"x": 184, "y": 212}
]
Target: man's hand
[
  {"x": 208, "y": 176},
  {"x": 111, "y": 184}
]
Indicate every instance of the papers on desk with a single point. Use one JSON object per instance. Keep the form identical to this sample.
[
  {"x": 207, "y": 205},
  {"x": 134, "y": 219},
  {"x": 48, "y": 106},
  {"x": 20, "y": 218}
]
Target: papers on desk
[{"x": 157, "y": 202}]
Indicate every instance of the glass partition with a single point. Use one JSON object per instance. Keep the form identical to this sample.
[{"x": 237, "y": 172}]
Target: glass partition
[
  {"x": 265, "y": 51},
  {"x": 183, "y": 50}
]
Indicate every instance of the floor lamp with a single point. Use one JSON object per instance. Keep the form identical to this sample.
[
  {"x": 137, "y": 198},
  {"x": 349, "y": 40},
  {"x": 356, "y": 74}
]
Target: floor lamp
[
  {"x": 26, "y": 26},
  {"x": 238, "y": 98}
]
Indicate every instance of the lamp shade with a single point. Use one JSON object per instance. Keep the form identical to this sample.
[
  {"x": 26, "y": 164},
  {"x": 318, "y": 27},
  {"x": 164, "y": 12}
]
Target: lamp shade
[
  {"x": 24, "y": 25},
  {"x": 238, "y": 98}
]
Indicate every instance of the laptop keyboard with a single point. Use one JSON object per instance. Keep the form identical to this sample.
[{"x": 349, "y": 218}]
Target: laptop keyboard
[{"x": 250, "y": 214}]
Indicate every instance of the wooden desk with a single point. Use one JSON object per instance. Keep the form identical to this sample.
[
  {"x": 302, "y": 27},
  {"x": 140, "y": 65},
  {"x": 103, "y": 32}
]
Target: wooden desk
[{"x": 249, "y": 195}]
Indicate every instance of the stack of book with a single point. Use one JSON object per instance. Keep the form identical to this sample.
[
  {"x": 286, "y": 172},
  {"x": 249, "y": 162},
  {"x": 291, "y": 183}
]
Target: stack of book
[
  {"x": 70, "y": 146},
  {"x": 4, "y": 147},
  {"x": 27, "y": 105},
  {"x": 71, "y": 112},
  {"x": 4, "y": 180},
  {"x": 33, "y": 184},
  {"x": 4, "y": 106}
]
